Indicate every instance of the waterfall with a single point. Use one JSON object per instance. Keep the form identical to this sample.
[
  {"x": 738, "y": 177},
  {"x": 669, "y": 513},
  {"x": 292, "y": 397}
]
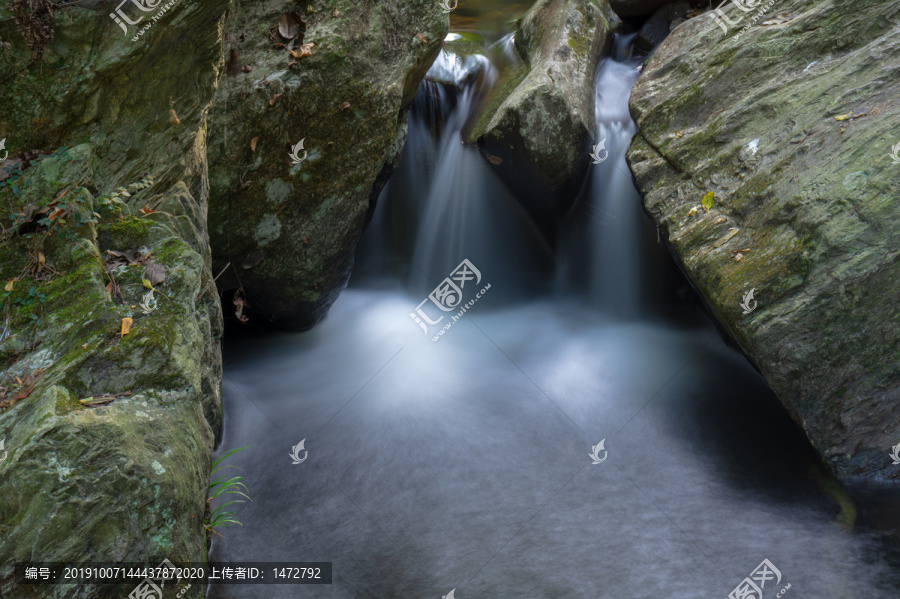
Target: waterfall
[{"x": 444, "y": 204}]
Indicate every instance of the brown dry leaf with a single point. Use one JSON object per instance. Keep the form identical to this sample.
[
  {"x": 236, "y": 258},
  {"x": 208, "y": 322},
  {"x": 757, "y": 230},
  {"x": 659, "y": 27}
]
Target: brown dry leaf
[
  {"x": 99, "y": 400},
  {"x": 305, "y": 50},
  {"x": 126, "y": 325},
  {"x": 274, "y": 99},
  {"x": 173, "y": 118},
  {"x": 738, "y": 257},
  {"x": 291, "y": 25},
  {"x": 240, "y": 304},
  {"x": 421, "y": 37},
  {"x": 345, "y": 105},
  {"x": 24, "y": 393},
  {"x": 155, "y": 273},
  {"x": 253, "y": 144},
  {"x": 147, "y": 211},
  {"x": 335, "y": 12}
]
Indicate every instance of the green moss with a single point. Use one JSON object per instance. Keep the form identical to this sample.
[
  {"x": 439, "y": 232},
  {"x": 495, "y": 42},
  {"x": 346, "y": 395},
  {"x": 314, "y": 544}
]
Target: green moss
[
  {"x": 506, "y": 85},
  {"x": 126, "y": 233}
]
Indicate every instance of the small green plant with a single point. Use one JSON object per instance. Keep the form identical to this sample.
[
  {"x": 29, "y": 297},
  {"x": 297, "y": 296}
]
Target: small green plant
[{"x": 219, "y": 488}]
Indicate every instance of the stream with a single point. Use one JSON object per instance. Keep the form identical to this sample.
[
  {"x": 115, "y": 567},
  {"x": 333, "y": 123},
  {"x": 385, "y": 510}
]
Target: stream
[{"x": 459, "y": 460}]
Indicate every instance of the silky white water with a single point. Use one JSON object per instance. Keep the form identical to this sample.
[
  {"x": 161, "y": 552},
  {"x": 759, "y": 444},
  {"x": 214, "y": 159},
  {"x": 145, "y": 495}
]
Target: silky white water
[{"x": 463, "y": 463}]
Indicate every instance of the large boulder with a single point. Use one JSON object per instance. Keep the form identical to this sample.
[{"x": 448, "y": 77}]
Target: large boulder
[
  {"x": 108, "y": 409},
  {"x": 339, "y": 79},
  {"x": 785, "y": 129},
  {"x": 538, "y": 124}
]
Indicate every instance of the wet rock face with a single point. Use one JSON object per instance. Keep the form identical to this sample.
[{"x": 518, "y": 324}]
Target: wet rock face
[
  {"x": 108, "y": 410},
  {"x": 788, "y": 126},
  {"x": 339, "y": 80},
  {"x": 539, "y": 123}
]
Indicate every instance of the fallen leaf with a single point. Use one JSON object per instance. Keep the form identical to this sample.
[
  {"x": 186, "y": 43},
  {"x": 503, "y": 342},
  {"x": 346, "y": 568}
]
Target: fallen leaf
[
  {"x": 147, "y": 283},
  {"x": 844, "y": 117},
  {"x": 99, "y": 400},
  {"x": 274, "y": 99},
  {"x": 310, "y": 10},
  {"x": 155, "y": 273},
  {"x": 738, "y": 257},
  {"x": 9, "y": 286},
  {"x": 421, "y": 38},
  {"x": 24, "y": 393},
  {"x": 126, "y": 325},
  {"x": 725, "y": 238},
  {"x": 693, "y": 211},
  {"x": 291, "y": 25},
  {"x": 721, "y": 219},
  {"x": 335, "y": 12},
  {"x": 247, "y": 68},
  {"x": 253, "y": 144},
  {"x": 173, "y": 118},
  {"x": 345, "y": 105},
  {"x": 147, "y": 211},
  {"x": 305, "y": 50},
  {"x": 495, "y": 160},
  {"x": 707, "y": 201},
  {"x": 19, "y": 381}
]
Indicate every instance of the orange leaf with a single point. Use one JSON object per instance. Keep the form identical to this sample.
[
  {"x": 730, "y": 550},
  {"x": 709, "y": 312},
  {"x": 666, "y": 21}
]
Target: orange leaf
[
  {"x": 274, "y": 99},
  {"x": 147, "y": 211},
  {"x": 126, "y": 325},
  {"x": 25, "y": 393},
  {"x": 57, "y": 213},
  {"x": 305, "y": 50},
  {"x": 253, "y": 144}
]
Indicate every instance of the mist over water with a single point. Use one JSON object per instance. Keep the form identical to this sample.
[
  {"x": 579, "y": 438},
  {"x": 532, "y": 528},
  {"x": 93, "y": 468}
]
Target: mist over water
[{"x": 463, "y": 463}]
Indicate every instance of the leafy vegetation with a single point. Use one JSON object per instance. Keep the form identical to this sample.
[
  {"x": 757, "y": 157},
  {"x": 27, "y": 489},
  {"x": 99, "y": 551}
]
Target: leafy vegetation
[{"x": 220, "y": 487}]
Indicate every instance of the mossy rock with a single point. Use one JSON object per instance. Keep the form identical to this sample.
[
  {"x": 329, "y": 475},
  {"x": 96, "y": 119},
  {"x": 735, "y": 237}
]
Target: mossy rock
[
  {"x": 761, "y": 117},
  {"x": 125, "y": 480},
  {"x": 537, "y": 126},
  {"x": 290, "y": 230}
]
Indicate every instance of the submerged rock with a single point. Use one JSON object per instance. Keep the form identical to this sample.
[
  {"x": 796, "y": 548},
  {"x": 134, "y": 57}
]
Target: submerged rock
[
  {"x": 109, "y": 395},
  {"x": 539, "y": 122},
  {"x": 335, "y": 85},
  {"x": 763, "y": 156}
]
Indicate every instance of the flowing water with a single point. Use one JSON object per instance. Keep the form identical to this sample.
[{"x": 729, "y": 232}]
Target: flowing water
[{"x": 463, "y": 463}]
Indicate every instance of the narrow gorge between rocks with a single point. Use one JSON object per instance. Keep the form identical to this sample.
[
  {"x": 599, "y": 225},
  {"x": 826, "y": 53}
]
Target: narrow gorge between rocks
[
  {"x": 469, "y": 299},
  {"x": 460, "y": 461}
]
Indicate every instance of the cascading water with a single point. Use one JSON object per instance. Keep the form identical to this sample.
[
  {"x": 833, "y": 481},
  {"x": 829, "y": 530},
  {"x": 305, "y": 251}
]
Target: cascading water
[
  {"x": 616, "y": 226},
  {"x": 444, "y": 203},
  {"x": 464, "y": 464}
]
